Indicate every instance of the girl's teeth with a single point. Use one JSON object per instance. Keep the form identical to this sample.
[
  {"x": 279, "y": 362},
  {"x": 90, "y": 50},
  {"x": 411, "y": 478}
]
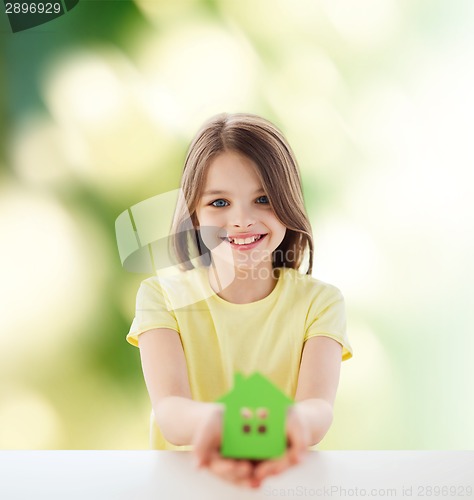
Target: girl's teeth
[{"x": 244, "y": 241}]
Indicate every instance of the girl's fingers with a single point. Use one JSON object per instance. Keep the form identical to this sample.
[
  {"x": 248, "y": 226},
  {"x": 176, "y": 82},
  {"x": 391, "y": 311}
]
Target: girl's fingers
[
  {"x": 297, "y": 445},
  {"x": 204, "y": 447},
  {"x": 220, "y": 467},
  {"x": 297, "y": 437},
  {"x": 271, "y": 467},
  {"x": 207, "y": 438},
  {"x": 244, "y": 469},
  {"x": 236, "y": 471}
]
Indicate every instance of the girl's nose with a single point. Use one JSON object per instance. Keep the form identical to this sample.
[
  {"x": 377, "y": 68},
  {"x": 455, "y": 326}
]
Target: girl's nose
[{"x": 242, "y": 217}]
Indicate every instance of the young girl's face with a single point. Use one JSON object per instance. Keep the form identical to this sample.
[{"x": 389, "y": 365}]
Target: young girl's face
[{"x": 237, "y": 222}]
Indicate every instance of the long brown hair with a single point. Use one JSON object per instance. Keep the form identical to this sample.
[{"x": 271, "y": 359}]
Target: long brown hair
[{"x": 259, "y": 140}]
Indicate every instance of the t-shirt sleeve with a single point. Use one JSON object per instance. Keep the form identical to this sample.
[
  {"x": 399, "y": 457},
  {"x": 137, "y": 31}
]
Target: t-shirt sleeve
[
  {"x": 327, "y": 318},
  {"x": 151, "y": 311}
]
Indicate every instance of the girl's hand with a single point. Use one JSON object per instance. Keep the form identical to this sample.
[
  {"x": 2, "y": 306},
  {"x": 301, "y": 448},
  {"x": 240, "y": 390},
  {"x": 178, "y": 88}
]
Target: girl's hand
[
  {"x": 298, "y": 439},
  {"x": 245, "y": 472},
  {"x": 207, "y": 442}
]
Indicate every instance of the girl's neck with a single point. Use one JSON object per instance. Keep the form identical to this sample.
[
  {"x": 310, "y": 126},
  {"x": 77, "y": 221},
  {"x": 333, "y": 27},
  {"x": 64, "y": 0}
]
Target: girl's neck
[{"x": 242, "y": 285}]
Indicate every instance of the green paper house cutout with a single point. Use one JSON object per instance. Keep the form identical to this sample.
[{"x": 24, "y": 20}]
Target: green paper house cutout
[{"x": 254, "y": 419}]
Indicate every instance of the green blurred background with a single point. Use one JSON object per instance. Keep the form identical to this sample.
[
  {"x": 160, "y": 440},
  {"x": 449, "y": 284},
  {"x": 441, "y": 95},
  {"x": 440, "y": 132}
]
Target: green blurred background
[{"x": 98, "y": 108}]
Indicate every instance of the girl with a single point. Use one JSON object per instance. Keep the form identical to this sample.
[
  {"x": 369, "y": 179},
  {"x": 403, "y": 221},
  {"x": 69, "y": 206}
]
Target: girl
[{"x": 244, "y": 300}]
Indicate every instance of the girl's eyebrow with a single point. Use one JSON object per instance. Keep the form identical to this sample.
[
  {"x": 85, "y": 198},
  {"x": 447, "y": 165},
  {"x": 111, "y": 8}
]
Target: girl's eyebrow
[{"x": 219, "y": 192}]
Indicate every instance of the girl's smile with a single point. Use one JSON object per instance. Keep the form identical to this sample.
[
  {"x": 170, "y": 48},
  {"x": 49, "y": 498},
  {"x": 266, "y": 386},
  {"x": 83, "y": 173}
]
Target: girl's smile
[{"x": 244, "y": 241}]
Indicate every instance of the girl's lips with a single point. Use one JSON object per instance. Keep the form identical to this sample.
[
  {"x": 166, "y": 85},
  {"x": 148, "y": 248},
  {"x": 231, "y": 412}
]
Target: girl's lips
[{"x": 247, "y": 246}]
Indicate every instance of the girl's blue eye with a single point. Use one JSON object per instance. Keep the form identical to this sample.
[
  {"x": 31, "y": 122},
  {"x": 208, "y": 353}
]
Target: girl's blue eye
[
  {"x": 219, "y": 203},
  {"x": 262, "y": 199}
]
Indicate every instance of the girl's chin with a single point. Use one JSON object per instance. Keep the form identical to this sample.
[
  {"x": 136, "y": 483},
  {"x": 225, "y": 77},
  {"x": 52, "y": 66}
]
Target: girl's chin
[{"x": 241, "y": 263}]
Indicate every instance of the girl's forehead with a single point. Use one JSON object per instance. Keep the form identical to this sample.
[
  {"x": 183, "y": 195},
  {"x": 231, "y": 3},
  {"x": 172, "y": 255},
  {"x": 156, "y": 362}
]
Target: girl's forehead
[{"x": 231, "y": 169}]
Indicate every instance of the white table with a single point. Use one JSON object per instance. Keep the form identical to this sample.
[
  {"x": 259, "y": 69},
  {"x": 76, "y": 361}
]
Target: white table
[{"x": 166, "y": 475}]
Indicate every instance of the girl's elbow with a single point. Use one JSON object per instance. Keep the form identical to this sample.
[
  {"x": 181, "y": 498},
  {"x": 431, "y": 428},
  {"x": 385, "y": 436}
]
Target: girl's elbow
[
  {"x": 163, "y": 413},
  {"x": 322, "y": 421}
]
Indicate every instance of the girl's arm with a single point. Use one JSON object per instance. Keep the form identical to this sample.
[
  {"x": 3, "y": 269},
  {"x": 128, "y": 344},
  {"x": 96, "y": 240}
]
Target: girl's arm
[
  {"x": 182, "y": 420},
  {"x": 317, "y": 384},
  {"x": 166, "y": 377},
  {"x": 311, "y": 416}
]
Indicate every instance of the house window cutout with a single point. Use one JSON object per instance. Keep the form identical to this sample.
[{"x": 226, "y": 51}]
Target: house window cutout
[
  {"x": 262, "y": 413},
  {"x": 246, "y": 413},
  {"x": 249, "y": 416}
]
